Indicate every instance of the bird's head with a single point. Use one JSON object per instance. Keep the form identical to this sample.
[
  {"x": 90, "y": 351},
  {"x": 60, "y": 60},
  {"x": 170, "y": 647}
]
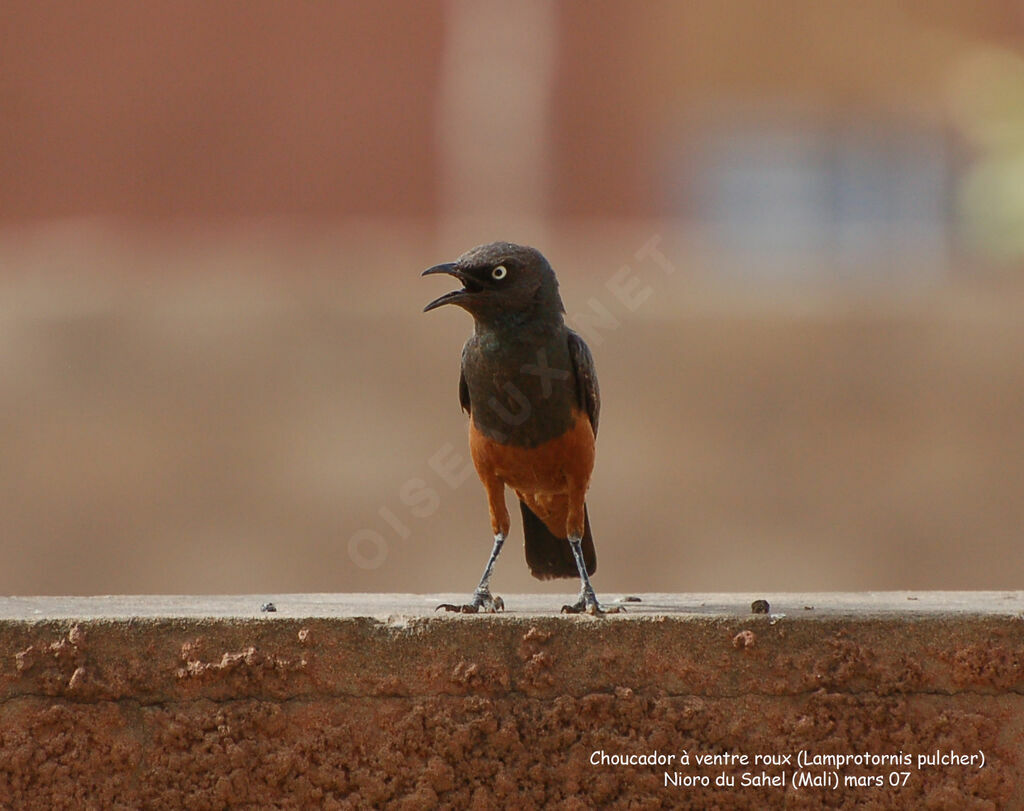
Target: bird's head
[{"x": 502, "y": 283}]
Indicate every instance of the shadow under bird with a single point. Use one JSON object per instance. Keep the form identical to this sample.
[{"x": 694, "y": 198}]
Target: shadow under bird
[{"x": 529, "y": 386}]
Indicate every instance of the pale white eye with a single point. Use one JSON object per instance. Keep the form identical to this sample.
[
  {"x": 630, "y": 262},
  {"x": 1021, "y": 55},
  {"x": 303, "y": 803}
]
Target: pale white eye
[{"x": 499, "y": 273}]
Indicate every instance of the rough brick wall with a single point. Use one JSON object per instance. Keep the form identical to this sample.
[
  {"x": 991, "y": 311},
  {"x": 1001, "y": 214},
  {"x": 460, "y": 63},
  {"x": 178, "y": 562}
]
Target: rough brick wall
[{"x": 480, "y": 712}]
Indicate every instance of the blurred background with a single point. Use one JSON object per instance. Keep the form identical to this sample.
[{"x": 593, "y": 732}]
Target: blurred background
[{"x": 792, "y": 233}]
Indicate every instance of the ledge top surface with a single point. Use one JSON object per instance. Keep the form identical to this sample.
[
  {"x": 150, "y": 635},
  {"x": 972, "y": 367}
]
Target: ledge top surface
[{"x": 794, "y": 606}]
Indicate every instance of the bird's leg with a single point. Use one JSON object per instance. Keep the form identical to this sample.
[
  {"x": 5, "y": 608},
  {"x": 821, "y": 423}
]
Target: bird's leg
[
  {"x": 483, "y": 591},
  {"x": 482, "y": 597},
  {"x": 587, "y": 603}
]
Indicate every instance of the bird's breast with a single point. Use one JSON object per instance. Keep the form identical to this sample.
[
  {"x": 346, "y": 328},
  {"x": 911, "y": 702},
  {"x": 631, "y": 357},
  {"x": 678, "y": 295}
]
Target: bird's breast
[{"x": 521, "y": 393}]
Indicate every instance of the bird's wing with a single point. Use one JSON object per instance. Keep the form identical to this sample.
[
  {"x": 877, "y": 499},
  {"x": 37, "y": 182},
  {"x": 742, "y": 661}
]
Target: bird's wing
[
  {"x": 463, "y": 386},
  {"x": 586, "y": 378}
]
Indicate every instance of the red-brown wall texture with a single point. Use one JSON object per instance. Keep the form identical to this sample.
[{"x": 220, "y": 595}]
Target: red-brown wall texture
[{"x": 195, "y": 109}]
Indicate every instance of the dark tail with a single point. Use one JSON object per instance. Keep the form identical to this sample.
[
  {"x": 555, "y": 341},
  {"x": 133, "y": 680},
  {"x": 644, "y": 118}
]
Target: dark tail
[{"x": 549, "y": 556}]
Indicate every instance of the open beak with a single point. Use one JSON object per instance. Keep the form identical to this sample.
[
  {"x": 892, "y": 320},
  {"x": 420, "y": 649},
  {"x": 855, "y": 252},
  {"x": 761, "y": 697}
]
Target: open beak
[{"x": 448, "y": 298}]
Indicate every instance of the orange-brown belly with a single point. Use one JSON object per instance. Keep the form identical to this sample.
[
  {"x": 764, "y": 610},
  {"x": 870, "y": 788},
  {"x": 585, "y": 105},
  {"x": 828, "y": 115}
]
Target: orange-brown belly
[
  {"x": 558, "y": 466},
  {"x": 552, "y": 479}
]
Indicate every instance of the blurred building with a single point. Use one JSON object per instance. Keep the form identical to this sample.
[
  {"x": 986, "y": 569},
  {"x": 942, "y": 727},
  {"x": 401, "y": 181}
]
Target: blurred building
[
  {"x": 215, "y": 376},
  {"x": 786, "y": 130}
]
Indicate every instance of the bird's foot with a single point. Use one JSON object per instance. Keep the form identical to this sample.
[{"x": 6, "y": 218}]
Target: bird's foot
[
  {"x": 588, "y": 604},
  {"x": 482, "y": 600}
]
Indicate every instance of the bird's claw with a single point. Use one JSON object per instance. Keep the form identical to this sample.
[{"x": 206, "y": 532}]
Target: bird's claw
[
  {"x": 588, "y": 604},
  {"x": 467, "y": 608},
  {"x": 482, "y": 601}
]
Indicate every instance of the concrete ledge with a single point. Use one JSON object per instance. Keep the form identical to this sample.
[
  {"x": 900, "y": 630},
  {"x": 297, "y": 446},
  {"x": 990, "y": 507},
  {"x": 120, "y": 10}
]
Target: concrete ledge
[{"x": 373, "y": 700}]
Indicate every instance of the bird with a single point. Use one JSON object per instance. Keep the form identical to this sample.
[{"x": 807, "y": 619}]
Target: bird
[{"x": 529, "y": 386}]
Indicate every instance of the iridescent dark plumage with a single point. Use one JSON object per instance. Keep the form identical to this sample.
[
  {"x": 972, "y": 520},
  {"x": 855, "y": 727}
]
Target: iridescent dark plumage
[{"x": 529, "y": 385}]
